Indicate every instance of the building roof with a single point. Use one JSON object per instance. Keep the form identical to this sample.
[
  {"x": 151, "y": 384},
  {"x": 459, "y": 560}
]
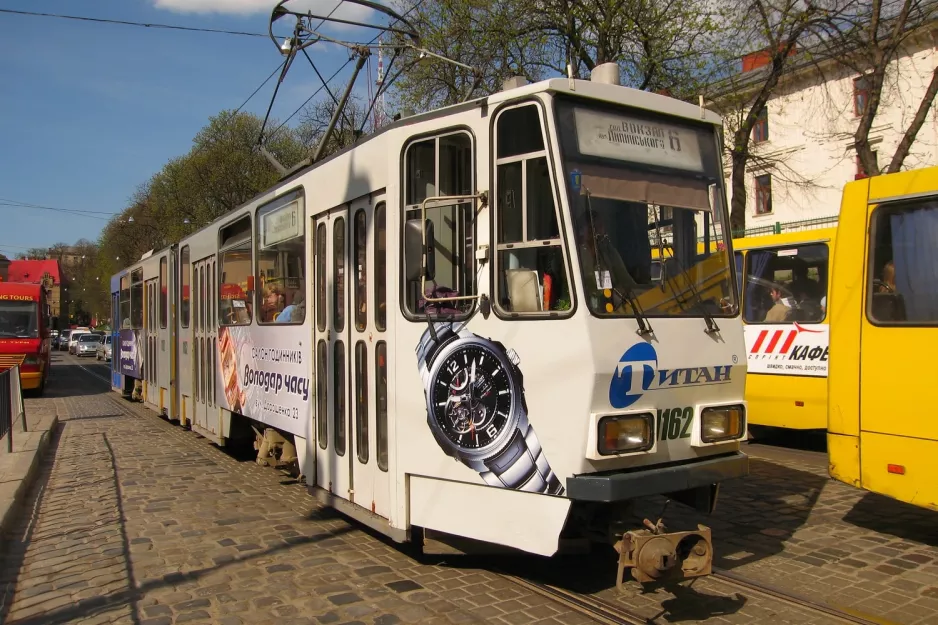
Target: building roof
[{"x": 32, "y": 271}]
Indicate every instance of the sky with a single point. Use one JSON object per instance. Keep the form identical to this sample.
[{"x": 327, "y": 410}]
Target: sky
[{"x": 90, "y": 111}]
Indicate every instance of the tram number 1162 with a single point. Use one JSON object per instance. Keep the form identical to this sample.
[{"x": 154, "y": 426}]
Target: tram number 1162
[{"x": 674, "y": 423}]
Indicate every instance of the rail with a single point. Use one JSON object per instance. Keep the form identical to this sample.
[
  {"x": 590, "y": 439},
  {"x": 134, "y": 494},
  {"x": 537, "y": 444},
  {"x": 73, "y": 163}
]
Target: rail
[{"x": 11, "y": 404}]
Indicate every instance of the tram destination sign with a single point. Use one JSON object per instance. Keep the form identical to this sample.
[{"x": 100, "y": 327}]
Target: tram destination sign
[
  {"x": 281, "y": 224},
  {"x": 634, "y": 140}
]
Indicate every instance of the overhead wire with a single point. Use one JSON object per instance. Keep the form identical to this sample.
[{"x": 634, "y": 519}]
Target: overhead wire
[
  {"x": 344, "y": 65},
  {"x": 74, "y": 211}
]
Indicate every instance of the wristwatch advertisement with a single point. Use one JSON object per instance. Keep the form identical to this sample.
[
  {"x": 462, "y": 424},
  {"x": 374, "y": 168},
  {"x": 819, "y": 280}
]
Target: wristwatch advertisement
[{"x": 476, "y": 409}]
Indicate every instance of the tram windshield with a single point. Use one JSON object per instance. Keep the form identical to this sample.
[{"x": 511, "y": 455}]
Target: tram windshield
[{"x": 646, "y": 196}]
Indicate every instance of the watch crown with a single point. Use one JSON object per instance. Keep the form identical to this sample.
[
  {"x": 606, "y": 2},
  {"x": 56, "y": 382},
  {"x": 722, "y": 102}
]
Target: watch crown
[{"x": 512, "y": 356}]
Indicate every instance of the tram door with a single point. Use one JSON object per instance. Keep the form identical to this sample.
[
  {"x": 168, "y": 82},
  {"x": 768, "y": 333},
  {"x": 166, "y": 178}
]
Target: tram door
[
  {"x": 333, "y": 459},
  {"x": 367, "y": 348},
  {"x": 151, "y": 343},
  {"x": 204, "y": 345}
]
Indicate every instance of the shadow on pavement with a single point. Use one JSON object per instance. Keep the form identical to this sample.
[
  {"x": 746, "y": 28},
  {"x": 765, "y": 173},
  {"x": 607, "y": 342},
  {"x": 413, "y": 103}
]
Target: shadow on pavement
[{"x": 885, "y": 515}]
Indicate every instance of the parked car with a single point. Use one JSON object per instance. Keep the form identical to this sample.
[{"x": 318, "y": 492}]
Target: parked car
[
  {"x": 87, "y": 344},
  {"x": 62, "y": 343},
  {"x": 104, "y": 349}
]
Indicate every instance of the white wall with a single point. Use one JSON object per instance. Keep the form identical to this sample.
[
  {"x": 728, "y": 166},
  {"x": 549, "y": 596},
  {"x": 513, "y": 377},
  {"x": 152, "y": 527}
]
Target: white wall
[{"x": 811, "y": 124}]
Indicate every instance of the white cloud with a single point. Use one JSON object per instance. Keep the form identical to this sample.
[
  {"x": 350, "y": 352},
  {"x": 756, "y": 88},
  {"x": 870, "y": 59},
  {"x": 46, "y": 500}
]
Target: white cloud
[{"x": 347, "y": 10}]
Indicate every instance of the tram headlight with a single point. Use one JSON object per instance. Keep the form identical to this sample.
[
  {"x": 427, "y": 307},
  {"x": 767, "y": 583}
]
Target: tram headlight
[
  {"x": 721, "y": 423},
  {"x": 621, "y": 434}
]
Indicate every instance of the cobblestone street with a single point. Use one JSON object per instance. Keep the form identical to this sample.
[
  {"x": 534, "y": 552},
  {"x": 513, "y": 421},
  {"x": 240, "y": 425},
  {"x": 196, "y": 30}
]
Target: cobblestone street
[{"x": 135, "y": 520}]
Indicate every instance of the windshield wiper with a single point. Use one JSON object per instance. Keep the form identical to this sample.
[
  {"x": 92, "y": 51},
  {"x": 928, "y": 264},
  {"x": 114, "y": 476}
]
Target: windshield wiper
[
  {"x": 712, "y": 326},
  {"x": 644, "y": 327}
]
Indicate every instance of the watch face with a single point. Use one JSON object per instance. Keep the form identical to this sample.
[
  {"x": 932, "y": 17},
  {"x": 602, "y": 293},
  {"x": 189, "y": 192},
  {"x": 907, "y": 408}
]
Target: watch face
[{"x": 471, "y": 398}]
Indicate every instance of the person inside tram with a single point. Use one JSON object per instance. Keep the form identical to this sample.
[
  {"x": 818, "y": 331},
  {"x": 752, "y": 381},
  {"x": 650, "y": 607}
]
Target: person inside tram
[
  {"x": 780, "y": 310},
  {"x": 272, "y": 303},
  {"x": 294, "y": 313}
]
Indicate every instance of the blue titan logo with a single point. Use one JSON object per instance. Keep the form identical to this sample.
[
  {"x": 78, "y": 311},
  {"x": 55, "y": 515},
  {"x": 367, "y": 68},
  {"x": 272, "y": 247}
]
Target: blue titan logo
[{"x": 639, "y": 364}]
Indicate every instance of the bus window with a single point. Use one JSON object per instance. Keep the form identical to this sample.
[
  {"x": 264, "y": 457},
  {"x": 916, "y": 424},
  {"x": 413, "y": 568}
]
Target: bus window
[
  {"x": 136, "y": 299},
  {"x": 281, "y": 261},
  {"x": 532, "y": 273},
  {"x": 437, "y": 166},
  {"x": 902, "y": 281},
  {"x": 786, "y": 284}
]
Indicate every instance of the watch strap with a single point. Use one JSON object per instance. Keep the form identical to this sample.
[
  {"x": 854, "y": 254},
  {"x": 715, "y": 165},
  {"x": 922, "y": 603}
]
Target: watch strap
[
  {"x": 442, "y": 332},
  {"x": 522, "y": 465}
]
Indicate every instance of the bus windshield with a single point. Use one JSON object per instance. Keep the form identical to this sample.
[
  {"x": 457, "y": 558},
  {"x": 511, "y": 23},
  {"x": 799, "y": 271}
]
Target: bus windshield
[
  {"x": 19, "y": 320},
  {"x": 646, "y": 196}
]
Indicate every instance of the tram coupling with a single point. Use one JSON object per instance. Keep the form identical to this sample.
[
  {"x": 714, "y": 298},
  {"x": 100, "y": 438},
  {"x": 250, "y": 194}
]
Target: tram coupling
[{"x": 654, "y": 555}]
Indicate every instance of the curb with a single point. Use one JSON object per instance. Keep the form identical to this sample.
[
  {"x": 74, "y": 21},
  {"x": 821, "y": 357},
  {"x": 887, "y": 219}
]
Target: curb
[{"x": 8, "y": 516}]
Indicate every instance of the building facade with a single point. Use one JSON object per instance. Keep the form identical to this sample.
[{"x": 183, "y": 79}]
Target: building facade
[{"x": 803, "y": 143}]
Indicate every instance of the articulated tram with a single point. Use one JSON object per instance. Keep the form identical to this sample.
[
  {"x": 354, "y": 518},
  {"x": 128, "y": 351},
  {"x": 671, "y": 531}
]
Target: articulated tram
[{"x": 454, "y": 329}]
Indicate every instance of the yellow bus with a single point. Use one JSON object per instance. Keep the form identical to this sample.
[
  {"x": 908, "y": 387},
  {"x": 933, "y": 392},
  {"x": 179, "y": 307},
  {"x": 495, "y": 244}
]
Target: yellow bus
[
  {"x": 784, "y": 288},
  {"x": 881, "y": 433}
]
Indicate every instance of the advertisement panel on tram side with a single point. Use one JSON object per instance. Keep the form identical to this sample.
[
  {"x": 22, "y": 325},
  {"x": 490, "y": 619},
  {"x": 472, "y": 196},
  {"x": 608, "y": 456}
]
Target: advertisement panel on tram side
[{"x": 265, "y": 375}]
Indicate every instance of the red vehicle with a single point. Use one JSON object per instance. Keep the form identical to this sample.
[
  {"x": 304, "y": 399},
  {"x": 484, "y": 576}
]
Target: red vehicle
[{"x": 24, "y": 333}]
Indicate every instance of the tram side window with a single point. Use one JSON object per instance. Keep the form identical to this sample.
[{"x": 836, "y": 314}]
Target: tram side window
[
  {"x": 136, "y": 299},
  {"x": 125, "y": 303},
  {"x": 164, "y": 295},
  {"x": 236, "y": 289},
  {"x": 184, "y": 292},
  {"x": 784, "y": 285},
  {"x": 532, "y": 273},
  {"x": 442, "y": 166},
  {"x": 281, "y": 261},
  {"x": 360, "y": 241},
  {"x": 381, "y": 268},
  {"x": 321, "y": 277},
  {"x": 902, "y": 280}
]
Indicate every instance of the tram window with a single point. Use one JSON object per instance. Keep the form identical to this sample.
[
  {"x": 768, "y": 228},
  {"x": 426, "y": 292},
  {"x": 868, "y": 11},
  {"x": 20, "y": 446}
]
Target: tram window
[
  {"x": 164, "y": 295},
  {"x": 381, "y": 268},
  {"x": 784, "y": 285},
  {"x": 184, "y": 292},
  {"x": 443, "y": 166},
  {"x": 136, "y": 299},
  {"x": 338, "y": 275},
  {"x": 321, "y": 277},
  {"x": 381, "y": 403},
  {"x": 902, "y": 284},
  {"x": 236, "y": 290},
  {"x": 360, "y": 241},
  {"x": 532, "y": 273},
  {"x": 338, "y": 398},
  {"x": 125, "y": 302},
  {"x": 322, "y": 394},
  {"x": 739, "y": 271},
  {"x": 361, "y": 401},
  {"x": 281, "y": 261}
]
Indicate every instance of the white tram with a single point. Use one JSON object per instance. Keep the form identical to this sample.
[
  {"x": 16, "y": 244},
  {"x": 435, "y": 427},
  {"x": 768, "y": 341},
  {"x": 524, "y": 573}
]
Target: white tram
[{"x": 454, "y": 327}]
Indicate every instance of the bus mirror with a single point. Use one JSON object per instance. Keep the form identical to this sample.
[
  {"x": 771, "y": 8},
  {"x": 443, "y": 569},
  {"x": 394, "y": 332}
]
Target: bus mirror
[{"x": 413, "y": 251}]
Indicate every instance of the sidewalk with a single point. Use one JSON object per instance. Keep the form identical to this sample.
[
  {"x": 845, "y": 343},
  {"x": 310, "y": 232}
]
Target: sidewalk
[{"x": 20, "y": 468}]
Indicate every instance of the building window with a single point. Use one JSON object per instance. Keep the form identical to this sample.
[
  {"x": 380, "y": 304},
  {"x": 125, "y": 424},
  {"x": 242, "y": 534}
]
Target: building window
[
  {"x": 760, "y": 131},
  {"x": 281, "y": 261},
  {"x": 861, "y": 94},
  {"x": 763, "y": 194},
  {"x": 862, "y": 173}
]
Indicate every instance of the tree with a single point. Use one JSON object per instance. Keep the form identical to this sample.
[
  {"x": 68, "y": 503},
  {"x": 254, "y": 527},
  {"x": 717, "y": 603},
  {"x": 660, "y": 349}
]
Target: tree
[
  {"x": 867, "y": 41},
  {"x": 315, "y": 118},
  {"x": 659, "y": 46},
  {"x": 778, "y": 31},
  {"x": 34, "y": 253}
]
